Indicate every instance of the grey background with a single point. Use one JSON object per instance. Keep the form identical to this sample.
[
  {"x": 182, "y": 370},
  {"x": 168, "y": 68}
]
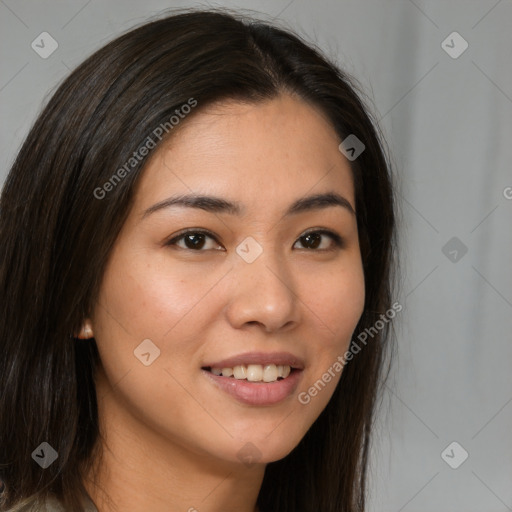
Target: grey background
[{"x": 448, "y": 123}]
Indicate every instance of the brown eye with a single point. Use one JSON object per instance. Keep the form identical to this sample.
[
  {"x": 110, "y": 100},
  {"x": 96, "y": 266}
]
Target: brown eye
[
  {"x": 194, "y": 240},
  {"x": 313, "y": 240}
]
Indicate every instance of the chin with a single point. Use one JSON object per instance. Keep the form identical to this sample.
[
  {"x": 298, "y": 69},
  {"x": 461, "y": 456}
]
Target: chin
[{"x": 266, "y": 447}]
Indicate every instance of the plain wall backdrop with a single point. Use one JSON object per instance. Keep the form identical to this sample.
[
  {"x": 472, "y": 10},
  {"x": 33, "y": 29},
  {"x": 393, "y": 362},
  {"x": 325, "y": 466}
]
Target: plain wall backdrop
[{"x": 446, "y": 113}]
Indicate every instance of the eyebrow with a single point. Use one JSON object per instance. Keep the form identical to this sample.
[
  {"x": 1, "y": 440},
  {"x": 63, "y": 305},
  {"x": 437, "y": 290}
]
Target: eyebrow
[{"x": 215, "y": 204}]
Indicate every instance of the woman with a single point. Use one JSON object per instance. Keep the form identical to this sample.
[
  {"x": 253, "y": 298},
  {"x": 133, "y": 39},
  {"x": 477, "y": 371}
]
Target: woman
[{"x": 196, "y": 235}]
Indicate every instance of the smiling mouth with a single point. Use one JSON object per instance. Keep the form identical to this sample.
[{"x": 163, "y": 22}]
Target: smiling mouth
[{"x": 254, "y": 372}]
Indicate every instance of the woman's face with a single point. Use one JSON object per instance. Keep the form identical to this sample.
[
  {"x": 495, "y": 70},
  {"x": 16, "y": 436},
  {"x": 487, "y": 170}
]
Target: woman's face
[{"x": 255, "y": 291}]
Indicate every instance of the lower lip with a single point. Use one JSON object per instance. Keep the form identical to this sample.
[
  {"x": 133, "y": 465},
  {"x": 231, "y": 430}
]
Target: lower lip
[{"x": 257, "y": 393}]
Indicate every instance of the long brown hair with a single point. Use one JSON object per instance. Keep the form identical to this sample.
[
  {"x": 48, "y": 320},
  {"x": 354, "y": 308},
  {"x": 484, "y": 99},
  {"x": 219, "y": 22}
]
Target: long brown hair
[{"x": 56, "y": 236}]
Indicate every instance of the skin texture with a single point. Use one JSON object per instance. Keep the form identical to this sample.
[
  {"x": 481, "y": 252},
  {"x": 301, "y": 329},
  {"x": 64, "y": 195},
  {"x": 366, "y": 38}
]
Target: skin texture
[{"x": 171, "y": 437}]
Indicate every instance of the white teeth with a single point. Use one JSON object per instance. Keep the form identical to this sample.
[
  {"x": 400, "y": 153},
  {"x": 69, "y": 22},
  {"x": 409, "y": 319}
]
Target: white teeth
[
  {"x": 255, "y": 372},
  {"x": 227, "y": 372},
  {"x": 270, "y": 373},
  {"x": 240, "y": 372}
]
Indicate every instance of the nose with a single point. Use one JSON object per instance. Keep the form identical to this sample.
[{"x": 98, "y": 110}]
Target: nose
[{"x": 263, "y": 293}]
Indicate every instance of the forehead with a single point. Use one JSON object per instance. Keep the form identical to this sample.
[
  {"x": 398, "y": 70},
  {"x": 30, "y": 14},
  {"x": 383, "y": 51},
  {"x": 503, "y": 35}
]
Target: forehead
[{"x": 259, "y": 154}]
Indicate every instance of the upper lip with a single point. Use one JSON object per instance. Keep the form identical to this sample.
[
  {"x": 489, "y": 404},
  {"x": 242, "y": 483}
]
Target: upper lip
[{"x": 277, "y": 358}]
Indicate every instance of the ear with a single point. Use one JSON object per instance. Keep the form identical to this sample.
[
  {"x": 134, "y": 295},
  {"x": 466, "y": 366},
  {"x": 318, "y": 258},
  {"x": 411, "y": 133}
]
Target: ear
[{"x": 86, "y": 332}]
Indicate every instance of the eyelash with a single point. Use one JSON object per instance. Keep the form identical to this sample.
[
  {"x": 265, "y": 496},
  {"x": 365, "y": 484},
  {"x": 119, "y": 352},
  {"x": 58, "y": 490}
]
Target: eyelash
[{"x": 338, "y": 241}]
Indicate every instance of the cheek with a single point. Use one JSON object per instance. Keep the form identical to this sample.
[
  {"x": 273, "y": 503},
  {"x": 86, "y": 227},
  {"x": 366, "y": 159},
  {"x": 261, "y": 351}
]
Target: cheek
[
  {"x": 338, "y": 303},
  {"x": 146, "y": 297}
]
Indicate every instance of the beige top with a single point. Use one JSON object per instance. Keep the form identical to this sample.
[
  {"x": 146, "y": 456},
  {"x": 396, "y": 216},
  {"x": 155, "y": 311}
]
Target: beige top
[{"x": 52, "y": 504}]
